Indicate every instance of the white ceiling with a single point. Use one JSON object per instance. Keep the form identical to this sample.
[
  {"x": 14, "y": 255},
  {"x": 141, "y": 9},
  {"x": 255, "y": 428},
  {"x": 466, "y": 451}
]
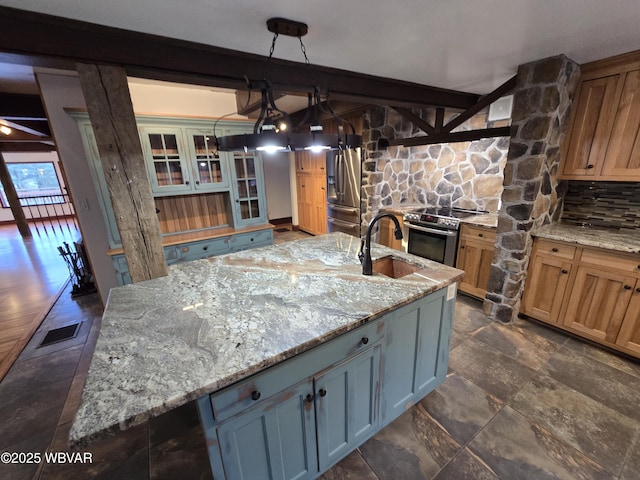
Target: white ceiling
[{"x": 472, "y": 45}]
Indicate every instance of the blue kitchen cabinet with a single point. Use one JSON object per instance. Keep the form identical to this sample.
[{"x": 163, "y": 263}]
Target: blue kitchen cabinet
[
  {"x": 347, "y": 406},
  {"x": 249, "y": 199},
  {"x": 275, "y": 439},
  {"x": 210, "y": 168},
  {"x": 388, "y": 364},
  {"x": 416, "y": 355}
]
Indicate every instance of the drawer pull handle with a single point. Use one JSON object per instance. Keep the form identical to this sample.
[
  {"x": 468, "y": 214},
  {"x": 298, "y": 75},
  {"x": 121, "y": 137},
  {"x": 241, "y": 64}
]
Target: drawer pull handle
[
  {"x": 638, "y": 267},
  {"x": 255, "y": 395},
  {"x": 206, "y": 247},
  {"x": 365, "y": 340},
  {"x": 309, "y": 398},
  {"x": 480, "y": 235},
  {"x": 322, "y": 392},
  {"x": 564, "y": 271},
  {"x": 554, "y": 249},
  {"x": 462, "y": 247},
  {"x": 628, "y": 287},
  {"x": 638, "y": 290},
  {"x": 590, "y": 166}
]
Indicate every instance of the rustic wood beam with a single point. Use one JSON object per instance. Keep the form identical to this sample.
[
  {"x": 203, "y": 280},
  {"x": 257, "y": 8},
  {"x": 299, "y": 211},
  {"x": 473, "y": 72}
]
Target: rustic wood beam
[
  {"x": 14, "y": 105},
  {"x": 26, "y": 147},
  {"x": 416, "y": 120},
  {"x": 32, "y": 127},
  {"x": 465, "y": 136},
  {"x": 110, "y": 110},
  {"x": 485, "y": 101},
  {"x": 33, "y": 34},
  {"x": 12, "y": 198},
  {"x": 439, "y": 123}
]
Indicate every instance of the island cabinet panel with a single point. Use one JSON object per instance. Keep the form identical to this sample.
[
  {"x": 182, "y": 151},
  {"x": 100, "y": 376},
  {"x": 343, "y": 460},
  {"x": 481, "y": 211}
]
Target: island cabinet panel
[
  {"x": 347, "y": 406},
  {"x": 298, "y": 418},
  {"x": 414, "y": 364},
  {"x": 274, "y": 440}
]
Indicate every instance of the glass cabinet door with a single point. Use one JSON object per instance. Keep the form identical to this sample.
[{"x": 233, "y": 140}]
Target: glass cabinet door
[
  {"x": 209, "y": 166},
  {"x": 249, "y": 195},
  {"x": 167, "y": 169}
]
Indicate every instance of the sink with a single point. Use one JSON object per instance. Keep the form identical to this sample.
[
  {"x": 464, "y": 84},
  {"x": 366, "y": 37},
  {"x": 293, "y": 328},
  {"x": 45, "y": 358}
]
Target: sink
[{"x": 394, "y": 267}]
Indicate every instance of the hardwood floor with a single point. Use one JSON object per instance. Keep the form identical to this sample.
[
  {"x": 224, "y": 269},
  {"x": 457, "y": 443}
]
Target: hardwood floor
[{"x": 32, "y": 277}]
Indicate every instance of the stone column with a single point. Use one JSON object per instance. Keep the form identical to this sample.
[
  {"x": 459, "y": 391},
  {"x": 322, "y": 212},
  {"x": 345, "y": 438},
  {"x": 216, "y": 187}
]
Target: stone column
[{"x": 532, "y": 195}]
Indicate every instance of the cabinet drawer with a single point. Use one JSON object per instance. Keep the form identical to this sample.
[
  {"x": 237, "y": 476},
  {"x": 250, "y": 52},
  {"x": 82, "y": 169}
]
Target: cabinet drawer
[
  {"x": 556, "y": 249},
  {"x": 245, "y": 241},
  {"x": 623, "y": 263},
  {"x": 264, "y": 385},
  {"x": 486, "y": 234},
  {"x": 203, "y": 249}
]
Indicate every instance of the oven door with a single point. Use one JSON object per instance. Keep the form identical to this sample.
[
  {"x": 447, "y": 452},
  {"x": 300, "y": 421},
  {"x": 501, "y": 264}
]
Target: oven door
[{"x": 432, "y": 243}]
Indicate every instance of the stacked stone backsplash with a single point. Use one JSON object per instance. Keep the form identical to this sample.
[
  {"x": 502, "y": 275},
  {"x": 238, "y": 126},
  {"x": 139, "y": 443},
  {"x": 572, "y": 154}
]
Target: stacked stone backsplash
[
  {"x": 532, "y": 195},
  {"x": 464, "y": 175},
  {"x": 607, "y": 204}
]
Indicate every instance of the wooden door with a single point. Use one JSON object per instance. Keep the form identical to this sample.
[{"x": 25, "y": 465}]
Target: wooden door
[
  {"x": 347, "y": 405},
  {"x": 547, "y": 282},
  {"x": 590, "y": 127},
  {"x": 629, "y": 335},
  {"x": 274, "y": 440},
  {"x": 598, "y": 303},
  {"x": 623, "y": 153}
]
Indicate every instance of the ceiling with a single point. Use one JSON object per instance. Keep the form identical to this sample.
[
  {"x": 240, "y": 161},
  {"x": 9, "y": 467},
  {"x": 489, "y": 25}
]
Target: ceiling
[
  {"x": 455, "y": 44},
  {"x": 468, "y": 46}
]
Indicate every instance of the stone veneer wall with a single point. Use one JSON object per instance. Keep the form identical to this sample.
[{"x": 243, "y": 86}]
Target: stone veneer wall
[
  {"x": 532, "y": 196},
  {"x": 465, "y": 174}
]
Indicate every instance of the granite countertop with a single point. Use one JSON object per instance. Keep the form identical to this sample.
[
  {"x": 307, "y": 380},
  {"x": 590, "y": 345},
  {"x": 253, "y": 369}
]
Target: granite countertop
[
  {"x": 489, "y": 220},
  {"x": 621, "y": 240},
  {"x": 212, "y": 322}
]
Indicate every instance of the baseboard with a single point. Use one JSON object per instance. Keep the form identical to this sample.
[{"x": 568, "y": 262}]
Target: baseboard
[{"x": 280, "y": 221}]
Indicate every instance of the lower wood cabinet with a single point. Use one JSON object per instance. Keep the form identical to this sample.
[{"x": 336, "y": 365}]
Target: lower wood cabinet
[
  {"x": 592, "y": 292},
  {"x": 475, "y": 256},
  {"x": 297, "y": 419},
  {"x": 387, "y": 236}
]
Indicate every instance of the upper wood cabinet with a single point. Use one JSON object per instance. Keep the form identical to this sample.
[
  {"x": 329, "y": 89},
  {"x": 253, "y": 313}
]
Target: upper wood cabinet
[{"x": 603, "y": 142}]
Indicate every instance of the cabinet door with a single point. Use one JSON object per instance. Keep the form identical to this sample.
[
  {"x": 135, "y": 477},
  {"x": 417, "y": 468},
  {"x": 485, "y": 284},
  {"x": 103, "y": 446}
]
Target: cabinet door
[
  {"x": 623, "y": 153},
  {"x": 303, "y": 192},
  {"x": 166, "y": 160},
  {"x": 547, "y": 282},
  {"x": 319, "y": 203},
  {"x": 629, "y": 336},
  {"x": 475, "y": 258},
  {"x": 387, "y": 233},
  {"x": 248, "y": 178},
  {"x": 416, "y": 353},
  {"x": 347, "y": 406},
  {"x": 598, "y": 302},
  {"x": 275, "y": 440},
  {"x": 209, "y": 167},
  {"x": 591, "y": 127}
]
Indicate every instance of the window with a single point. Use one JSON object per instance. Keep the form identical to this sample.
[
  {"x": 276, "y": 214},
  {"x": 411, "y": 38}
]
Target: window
[{"x": 36, "y": 184}]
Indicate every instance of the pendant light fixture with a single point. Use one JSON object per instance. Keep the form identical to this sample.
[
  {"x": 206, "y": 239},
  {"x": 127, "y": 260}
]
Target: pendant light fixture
[{"x": 273, "y": 131}]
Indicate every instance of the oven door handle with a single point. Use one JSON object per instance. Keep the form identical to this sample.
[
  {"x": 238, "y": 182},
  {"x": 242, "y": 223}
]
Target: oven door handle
[{"x": 435, "y": 231}]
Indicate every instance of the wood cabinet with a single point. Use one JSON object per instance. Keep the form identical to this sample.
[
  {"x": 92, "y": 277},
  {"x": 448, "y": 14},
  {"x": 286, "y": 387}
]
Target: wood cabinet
[
  {"x": 387, "y": 232},
  {"x": 592, "y": 292},
  {"x": 603, "y": 142},
  {"x": 311, "y": 189},
  {"x": 298, "y": 418},
  {"x": 475, "y": 256},
  {"x": 549, "y": 270}
]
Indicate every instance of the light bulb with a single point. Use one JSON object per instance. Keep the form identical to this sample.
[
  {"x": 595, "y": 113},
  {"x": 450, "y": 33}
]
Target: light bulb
[{"x": 4, "y": 129}]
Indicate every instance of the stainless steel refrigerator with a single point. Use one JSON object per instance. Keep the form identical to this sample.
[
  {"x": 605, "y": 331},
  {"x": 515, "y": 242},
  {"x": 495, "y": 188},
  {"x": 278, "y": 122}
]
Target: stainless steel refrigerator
[{"x": 344, "y": 171}]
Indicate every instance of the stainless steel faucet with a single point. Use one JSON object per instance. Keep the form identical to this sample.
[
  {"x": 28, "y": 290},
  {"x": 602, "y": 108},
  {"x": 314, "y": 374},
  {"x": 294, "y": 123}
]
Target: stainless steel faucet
[{"x": 365, "y": 245}]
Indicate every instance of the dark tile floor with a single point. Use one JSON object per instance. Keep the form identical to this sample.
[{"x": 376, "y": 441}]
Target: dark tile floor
[{"x": 521, "y": 401}]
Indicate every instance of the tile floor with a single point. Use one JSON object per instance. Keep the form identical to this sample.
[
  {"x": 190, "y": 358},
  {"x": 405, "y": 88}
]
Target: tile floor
[{"x": 520, "y": 402}]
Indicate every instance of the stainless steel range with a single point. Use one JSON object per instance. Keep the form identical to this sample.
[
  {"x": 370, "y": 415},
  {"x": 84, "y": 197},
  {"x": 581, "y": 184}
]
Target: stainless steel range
[{"x": 433, "y": 232}]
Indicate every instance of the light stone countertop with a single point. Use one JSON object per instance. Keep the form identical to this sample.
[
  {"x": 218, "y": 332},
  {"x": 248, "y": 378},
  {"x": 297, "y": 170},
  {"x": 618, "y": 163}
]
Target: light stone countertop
[
  {"x": 489, "y": 220},
  {"x": 620, "y": 240},
  {"x": 210, "y": 323}
]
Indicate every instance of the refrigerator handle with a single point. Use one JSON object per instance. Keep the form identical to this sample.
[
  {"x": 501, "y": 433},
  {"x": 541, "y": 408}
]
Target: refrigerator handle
[{"x": 337, "y": 173}]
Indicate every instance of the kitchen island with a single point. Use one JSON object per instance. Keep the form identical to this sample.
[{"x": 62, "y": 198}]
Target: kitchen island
[{"x": 294, "y": 357}]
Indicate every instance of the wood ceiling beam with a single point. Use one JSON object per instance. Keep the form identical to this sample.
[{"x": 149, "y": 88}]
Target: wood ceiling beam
[
  {"x": 45, "y": 36},
  {"x": 14, "y": 106},
  {"x": 26, "y": 147},
  {"x": 464, "y": 136}
]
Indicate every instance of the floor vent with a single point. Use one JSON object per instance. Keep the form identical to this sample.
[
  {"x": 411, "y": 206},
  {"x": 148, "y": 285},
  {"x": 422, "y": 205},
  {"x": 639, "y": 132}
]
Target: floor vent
[{"x": 60, "y": 334}]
